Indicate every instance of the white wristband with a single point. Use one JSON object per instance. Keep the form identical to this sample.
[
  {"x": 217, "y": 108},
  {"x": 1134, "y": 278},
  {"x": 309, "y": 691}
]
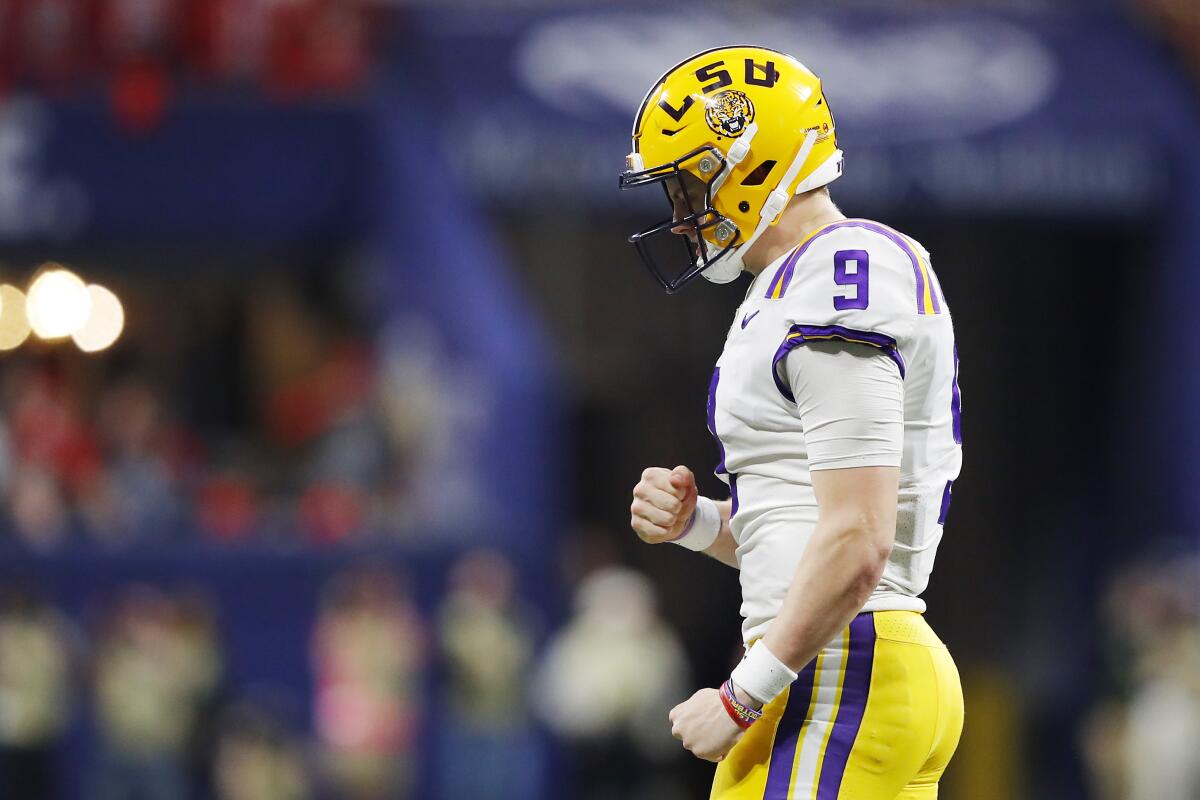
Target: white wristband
[
  {"x": 761, "y": 675},
  {"x": 703, "y": 528}
]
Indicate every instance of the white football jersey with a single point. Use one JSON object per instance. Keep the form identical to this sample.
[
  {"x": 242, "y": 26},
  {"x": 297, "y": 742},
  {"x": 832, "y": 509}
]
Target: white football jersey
[{"x": 856, "y": 281}]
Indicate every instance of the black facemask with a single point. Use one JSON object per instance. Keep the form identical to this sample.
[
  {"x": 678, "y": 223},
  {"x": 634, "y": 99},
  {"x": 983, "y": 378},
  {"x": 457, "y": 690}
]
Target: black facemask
[{"x": 699, "y": 254}]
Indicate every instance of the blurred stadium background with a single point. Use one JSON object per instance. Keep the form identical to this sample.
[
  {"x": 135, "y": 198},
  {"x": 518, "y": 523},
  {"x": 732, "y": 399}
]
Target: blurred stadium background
[{"x": 326, "y": 373}]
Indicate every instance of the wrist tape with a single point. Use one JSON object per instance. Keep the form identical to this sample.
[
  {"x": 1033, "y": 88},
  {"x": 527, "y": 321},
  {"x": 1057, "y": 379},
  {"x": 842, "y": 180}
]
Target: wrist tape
[
  {"x": 761, "y": 675},
  {"x": 703, "y": 528}
]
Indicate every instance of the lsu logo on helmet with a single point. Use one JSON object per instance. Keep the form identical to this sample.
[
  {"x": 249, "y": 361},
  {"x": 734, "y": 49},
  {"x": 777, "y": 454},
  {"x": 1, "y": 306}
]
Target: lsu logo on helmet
[
  {"x": 768, "y": 134},
  {"x": 728, "y": 113}
]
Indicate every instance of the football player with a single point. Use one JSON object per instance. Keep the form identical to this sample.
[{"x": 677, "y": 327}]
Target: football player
[{"x": 836, "y": 411}]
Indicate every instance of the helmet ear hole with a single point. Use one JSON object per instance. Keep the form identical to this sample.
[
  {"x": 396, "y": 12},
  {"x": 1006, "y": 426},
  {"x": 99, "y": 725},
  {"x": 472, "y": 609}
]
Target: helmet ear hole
[
  {"x": 759, "y": 174},
  {"x": 743, "y": 206}
]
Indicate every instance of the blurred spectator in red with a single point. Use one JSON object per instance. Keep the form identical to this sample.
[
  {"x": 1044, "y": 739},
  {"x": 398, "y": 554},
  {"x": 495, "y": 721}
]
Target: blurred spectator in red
[
  {"x": 222, "y": 39},
  {"x": 157, "y": 665},
  {"x": 35, "y": 693},
  {"x": 1141, "y": 742},
  {"x": 331, "y": 511},
  {"x": 10, "y": 42},
  {"x": 486, "y": 639},
  {"x": 368, "y": 652},
  {"x": 51, "y": 453},
  {"x": 258, "y": 758},
  {"x": 52, "y": 48},
  {"x": 227, "y": 506},
  {"x": 316, "y": 46},
  {"x": 47, "y": 427},
  {"x": 138, "y": 38},
  {"x": 606, "y": 685},
  {"x": 309, "y": 372}
]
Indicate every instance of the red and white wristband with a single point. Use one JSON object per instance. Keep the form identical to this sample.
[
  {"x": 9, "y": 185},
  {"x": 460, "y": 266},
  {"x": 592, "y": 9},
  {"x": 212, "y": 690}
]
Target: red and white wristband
[
  {"x": 742, "y": 715},
  {"x": 703, "y": 528}
]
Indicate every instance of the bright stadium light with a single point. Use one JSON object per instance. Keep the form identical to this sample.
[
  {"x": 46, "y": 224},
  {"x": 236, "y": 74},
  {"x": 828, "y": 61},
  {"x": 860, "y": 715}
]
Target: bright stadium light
[
  {"x": 14, "y": 324},
  {"x": 104, "y": 323},
  {"x": 58, "y": 303}
]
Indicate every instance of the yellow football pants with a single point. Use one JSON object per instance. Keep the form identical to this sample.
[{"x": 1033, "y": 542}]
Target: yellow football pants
[{"x": 876, "y": 716}]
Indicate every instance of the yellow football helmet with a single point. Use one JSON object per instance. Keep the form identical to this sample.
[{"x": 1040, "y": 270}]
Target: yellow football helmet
[{"x": 753, "y": 126}]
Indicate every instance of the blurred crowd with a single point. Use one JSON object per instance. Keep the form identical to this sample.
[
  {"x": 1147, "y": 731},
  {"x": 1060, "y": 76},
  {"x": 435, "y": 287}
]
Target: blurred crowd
[
  {"x": 287, "y": 428},
  {"x": 1142, "y": 739},
  {"x": 405, "y": 702},
  {"x": 139, "y": 53}
]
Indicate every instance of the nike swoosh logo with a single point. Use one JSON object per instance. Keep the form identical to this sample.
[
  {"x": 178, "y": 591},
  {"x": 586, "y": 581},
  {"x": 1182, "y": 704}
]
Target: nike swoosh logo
[
  {"x": 666, "y": 132},
  {"x": 746, "y": 319}
]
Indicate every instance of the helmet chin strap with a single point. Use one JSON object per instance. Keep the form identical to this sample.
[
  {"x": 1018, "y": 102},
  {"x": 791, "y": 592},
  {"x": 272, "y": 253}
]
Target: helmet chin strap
[
  {"x": 736, "y": 155},
  {"x": 728, "y": 267}
]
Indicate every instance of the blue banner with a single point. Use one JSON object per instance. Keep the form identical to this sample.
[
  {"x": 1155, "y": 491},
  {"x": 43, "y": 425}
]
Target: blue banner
[
  {"x": 953, "y": 112},
  {"x": 215, "y": 172}
]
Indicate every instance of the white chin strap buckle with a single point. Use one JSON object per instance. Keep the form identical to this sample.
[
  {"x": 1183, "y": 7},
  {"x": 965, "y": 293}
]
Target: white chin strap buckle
[
  {"x": 741, "y": 147},
  {"x": 736, "y": 155},
  {"x": 776, "y": 202}
]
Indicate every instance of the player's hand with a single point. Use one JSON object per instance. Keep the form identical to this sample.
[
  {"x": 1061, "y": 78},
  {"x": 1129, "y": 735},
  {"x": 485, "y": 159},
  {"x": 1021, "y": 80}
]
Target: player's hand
[
  {"x": 663, "y": 503},
  {"x": 704, "y": 727}
]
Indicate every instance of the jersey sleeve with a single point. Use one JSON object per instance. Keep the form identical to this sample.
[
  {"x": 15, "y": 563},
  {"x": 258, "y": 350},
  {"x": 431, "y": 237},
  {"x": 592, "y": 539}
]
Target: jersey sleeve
[
  {"x": 850, "y": 399},
  {"x": 864, "y": 285}
]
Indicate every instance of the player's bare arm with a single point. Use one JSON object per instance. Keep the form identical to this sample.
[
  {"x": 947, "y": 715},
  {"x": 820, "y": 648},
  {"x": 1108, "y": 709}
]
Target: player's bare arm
[{"x": 843, "y": 563}]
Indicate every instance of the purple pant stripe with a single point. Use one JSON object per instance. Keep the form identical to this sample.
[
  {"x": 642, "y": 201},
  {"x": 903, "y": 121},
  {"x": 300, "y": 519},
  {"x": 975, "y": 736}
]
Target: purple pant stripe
[
  {"x": 787, "y": 737},
  {"x": 855, "y": 687}
]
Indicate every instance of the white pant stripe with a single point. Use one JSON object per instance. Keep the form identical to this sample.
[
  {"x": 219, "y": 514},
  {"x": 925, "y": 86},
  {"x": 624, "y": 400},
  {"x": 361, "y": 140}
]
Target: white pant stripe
[{"x": 826, "y": 685}]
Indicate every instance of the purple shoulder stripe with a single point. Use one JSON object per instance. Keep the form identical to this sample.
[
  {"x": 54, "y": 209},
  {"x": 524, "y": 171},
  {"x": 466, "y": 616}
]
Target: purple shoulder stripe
[
  {"x": 783, "y": 276},
  {"x": 803, "y": 334},
  {"x": 906, "y": 246}
]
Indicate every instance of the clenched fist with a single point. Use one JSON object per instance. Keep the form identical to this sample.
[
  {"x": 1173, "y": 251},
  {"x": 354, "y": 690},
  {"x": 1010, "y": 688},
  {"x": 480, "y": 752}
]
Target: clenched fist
[
  {"x": 663, "y": 503},
  {"x": 704, "y": 727}
]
